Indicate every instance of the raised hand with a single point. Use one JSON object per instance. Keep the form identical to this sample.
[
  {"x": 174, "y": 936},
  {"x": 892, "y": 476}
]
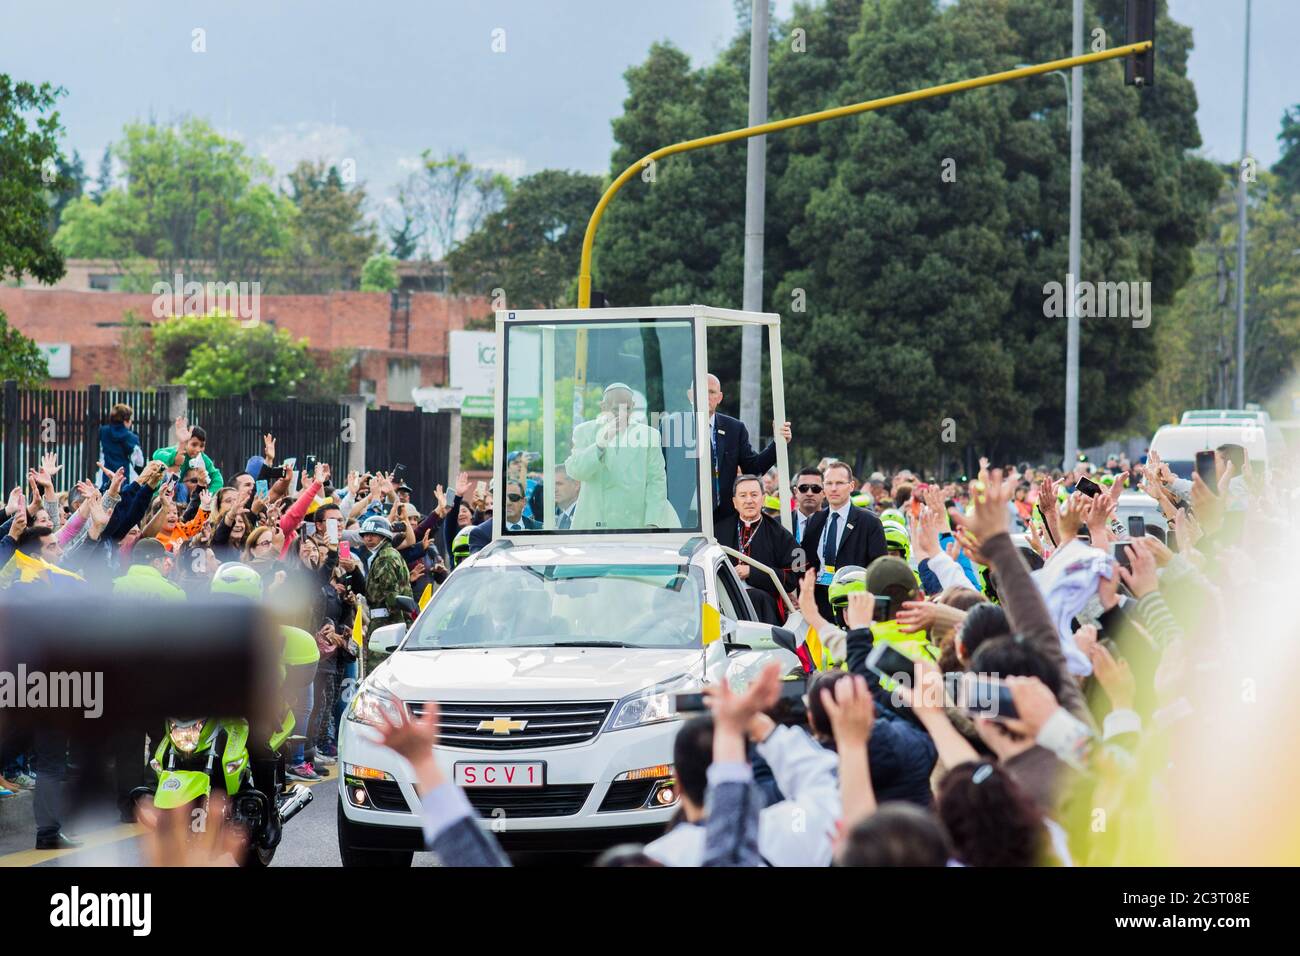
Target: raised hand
[
  {"x": 991, "y": 515},
  {"x": 1114, "y": 676},
  {"x": 50, "y": 464},
  {"x": 925, "y": 536},
  {"x": 99, "y": 515},
  {"x": 268, "y": 448},
  {"x": 1140, "y": 577},
  {"x": 732, "y": 711},
  {"x": 182, "y": 429},
  {"x": 1101, "y": 509},
  {"x": 852, "y": 711},
  {"x": 915, "y": 616},
  {"x": 19, "y": 523},
  {"x": 1077, "y": 510},
  {"x": 205, "y": 500},
  {"x": 462, "y": 485},
  {"x": 808, "y": 598},
  {"x": 860, "y": 610}
]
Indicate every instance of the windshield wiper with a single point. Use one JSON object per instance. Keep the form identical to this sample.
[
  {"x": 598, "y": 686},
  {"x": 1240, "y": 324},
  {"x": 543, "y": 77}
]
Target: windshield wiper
[{"x": 588, "y": 644}]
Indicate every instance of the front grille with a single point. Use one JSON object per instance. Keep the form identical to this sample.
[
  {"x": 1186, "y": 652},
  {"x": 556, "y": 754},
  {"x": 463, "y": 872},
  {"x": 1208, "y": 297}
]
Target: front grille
[
  {"x": 627, "y": 795},
  {"x": 561, "y": 800},
  {"x": 547, "y": 724},
  {"x": 386, "y": 795}
]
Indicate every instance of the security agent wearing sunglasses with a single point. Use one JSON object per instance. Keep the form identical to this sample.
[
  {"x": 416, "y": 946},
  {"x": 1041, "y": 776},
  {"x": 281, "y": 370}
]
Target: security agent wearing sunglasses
[
  {"x": 809, "y": 498},
  {"x": 513, "y": 512}
]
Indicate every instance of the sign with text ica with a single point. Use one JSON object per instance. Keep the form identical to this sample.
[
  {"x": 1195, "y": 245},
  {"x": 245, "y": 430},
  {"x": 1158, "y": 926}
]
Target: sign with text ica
[{"x": 473, "y": 371}]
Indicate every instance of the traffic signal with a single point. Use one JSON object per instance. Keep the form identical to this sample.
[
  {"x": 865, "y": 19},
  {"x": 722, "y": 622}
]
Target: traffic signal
[{"x": 1140, "y": 70}]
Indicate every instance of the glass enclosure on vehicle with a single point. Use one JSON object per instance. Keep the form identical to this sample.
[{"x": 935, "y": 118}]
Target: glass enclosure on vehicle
[
  {"x": 599, "y": 427},
  {"x": 564, "y": 605},
  {"x": 596, "y": 421}
]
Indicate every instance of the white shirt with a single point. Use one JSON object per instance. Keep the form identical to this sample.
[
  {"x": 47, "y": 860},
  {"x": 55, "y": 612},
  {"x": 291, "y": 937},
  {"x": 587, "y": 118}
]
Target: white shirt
[
  {"x": 798, "y": 831},
  {"x": 843, "y": 512}
]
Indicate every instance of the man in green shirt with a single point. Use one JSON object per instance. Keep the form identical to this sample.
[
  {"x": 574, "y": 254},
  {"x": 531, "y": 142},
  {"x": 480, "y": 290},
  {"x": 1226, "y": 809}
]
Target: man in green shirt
[{"x": 146, "y": 578}]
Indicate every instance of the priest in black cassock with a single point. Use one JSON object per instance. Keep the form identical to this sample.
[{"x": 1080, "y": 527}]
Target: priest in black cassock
[{"x": 753, "y": 533}]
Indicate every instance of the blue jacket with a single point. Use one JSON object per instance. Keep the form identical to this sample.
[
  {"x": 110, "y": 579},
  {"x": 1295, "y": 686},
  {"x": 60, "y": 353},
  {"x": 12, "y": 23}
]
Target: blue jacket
[{"x": 118, "y": 445}]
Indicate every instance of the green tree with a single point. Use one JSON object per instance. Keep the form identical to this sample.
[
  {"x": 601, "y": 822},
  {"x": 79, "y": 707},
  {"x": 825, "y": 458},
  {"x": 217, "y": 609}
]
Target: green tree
[
  {"x": 923, "y": 298},
  {"x": 31, "y": 169},
  {"x": 379, "y": 274},
  {"x": 1287, "y": 168},
  {"x": 139, "y": 353},
  {"x": 1196, "y": 334},
  {"x": 528, "y": 248},
  {"x": 445, "y": 199},
  {"x": 104, "y": 181},
  {"x": 194, "y": 202},
  {"x": 20, "y": 359},
  {"x": 332, "y": 239},
  {"x": 70, "y": 184},
  {"x": 216, "y": 356}
]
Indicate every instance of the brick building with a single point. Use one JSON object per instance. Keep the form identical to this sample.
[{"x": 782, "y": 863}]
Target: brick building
[{"x": 400, "y": 341}]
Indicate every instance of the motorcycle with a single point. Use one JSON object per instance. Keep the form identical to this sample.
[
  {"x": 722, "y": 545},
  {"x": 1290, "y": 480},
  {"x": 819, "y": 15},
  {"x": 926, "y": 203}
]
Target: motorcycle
[{"x": 200, "y": 755}]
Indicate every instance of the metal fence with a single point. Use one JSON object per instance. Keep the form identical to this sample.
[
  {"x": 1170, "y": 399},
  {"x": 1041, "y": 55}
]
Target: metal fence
[
  {"x": 235, "y": 427},
  {"x": 419, "y": 440},
  {"x": 67, "y": 423}
]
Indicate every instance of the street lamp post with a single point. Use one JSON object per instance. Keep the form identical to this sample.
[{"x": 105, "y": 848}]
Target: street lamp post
[{"x": 1072, "y": 270}]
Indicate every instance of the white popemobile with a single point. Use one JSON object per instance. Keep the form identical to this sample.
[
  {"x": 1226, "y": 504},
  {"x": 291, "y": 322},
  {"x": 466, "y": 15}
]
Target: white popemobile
[{"x": 554, "y": 653}]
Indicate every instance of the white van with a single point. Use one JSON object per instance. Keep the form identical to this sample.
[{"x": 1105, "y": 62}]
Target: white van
[{"x": 1177, "y": 445}]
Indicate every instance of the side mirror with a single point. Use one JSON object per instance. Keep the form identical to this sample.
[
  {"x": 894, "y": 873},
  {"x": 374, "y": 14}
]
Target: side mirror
[
  {"x": 755, "y": 634},
  {"x": 385, "y": 639}
]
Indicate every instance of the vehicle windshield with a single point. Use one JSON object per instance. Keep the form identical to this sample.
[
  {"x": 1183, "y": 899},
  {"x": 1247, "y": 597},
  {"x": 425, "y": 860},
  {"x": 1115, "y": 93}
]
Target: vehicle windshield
[{"x": 586, "y": 605}]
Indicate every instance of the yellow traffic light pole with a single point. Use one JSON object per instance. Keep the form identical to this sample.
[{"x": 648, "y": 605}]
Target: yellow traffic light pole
[{"x": 992, "y": 79}]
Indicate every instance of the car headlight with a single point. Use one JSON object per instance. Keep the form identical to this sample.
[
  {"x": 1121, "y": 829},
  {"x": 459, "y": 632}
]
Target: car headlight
[
  {"x": 185, "y": 734},
  {"x": 650, "y": 706},
  {"x": 370, "y": 705}
]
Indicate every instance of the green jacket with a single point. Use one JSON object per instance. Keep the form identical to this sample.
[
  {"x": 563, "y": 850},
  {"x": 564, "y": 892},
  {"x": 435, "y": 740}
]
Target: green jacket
[
  {"x": 146, "y": 582},
  {"x": 386, "y": 581},
  {"x": 168, "y": 457}
]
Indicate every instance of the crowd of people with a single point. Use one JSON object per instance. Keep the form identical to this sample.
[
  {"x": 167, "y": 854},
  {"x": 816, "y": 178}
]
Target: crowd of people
[
  {"x": 1053, "y": 652},
  {"x": 1057, "y": 661},
  {"x": 348, "y": 556}
]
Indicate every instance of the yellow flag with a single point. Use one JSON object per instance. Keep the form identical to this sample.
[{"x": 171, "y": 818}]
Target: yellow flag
[
  {"x": 816, "y": 652},
  {"x": 710, "y": 623},
  {"x": 358, "y": 626},
  {"x": 27, "y": 569},
  {"x": 427, "y": 596}
]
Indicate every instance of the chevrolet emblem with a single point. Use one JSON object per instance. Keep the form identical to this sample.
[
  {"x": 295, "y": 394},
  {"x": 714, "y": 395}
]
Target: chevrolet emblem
[{"x": 502, "y": 726}]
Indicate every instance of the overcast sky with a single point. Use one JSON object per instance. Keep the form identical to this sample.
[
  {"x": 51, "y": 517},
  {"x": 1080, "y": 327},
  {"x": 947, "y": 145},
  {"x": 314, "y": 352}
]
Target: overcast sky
[{"x": 378, "y": 82}]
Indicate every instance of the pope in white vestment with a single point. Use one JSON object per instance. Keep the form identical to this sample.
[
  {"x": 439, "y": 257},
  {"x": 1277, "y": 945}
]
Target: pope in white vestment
[{"x": 620, "y": 463}]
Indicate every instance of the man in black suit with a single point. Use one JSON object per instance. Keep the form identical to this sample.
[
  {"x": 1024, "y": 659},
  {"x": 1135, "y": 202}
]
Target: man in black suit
[
  {"x": 751, "y": 532},
  {"x": 840, "y": 534},
  {"x": 516, "y": 498},
  {"x": 732, "y": 452}
]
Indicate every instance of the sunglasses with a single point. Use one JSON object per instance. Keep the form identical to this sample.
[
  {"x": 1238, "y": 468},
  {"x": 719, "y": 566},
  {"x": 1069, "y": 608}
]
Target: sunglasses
[
  {"x": 814, "y": 489},
  {"x": 515, "y": 497}
]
